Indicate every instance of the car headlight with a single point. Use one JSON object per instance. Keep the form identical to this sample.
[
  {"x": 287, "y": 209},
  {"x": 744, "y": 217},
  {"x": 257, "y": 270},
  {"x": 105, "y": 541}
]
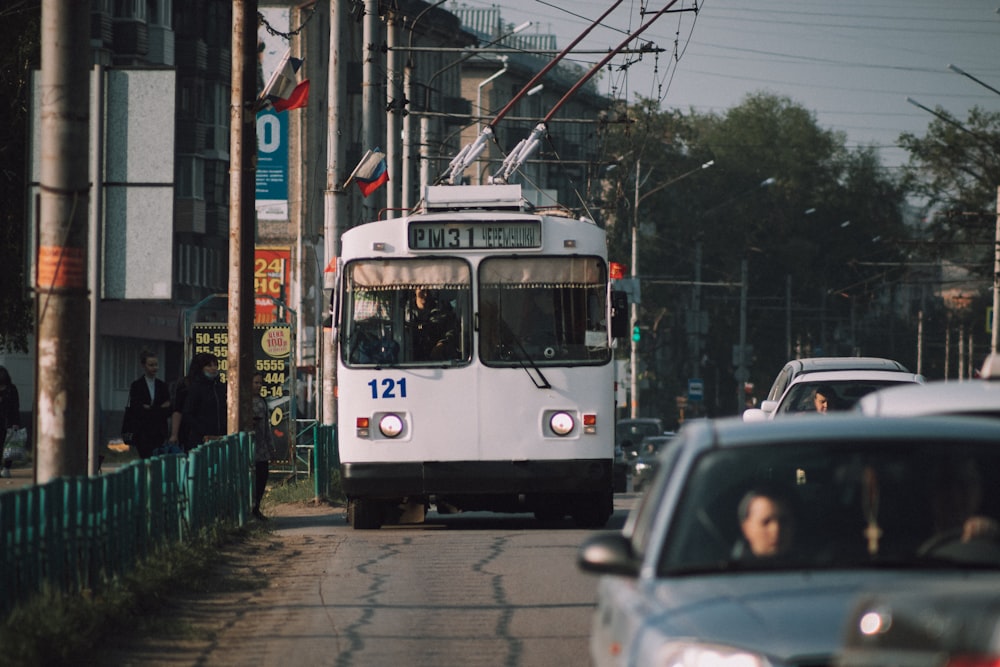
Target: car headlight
[
  {"x": 642, "y": 467},
  {"x": 686, "y": 654}
]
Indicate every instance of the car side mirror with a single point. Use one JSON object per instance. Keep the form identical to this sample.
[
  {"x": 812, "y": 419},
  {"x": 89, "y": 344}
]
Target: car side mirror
[{"x": 608, "y": 553}]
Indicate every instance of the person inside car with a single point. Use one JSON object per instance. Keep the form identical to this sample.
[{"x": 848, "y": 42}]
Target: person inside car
[
  {"x": 823, "y": 398},
  {"x": 767, "y": 522}
]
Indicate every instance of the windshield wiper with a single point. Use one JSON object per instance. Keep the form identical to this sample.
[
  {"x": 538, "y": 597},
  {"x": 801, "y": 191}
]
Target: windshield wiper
[{"x": 524, "y": 356}]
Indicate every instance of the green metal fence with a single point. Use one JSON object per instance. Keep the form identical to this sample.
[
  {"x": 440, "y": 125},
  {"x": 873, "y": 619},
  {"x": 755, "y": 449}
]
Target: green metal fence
[
  {"x": 79, "y": 533},
  {"x": 325, "y": 459}
]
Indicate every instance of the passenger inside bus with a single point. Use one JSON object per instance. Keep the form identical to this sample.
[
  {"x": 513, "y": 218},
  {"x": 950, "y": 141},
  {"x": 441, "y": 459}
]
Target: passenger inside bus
[
  {"x": 432, "y": 326},
  {"x": 371, "y": 341}
]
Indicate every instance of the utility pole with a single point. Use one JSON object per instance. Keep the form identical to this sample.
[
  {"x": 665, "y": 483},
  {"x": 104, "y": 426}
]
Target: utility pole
[
  {"x": 242, "y": 214},
  {"x": 394, "y": 118},
  {"x": 372, "y": 107},
  {"x": 63, "y": 366},
  {"x": 334, "y": 202},
  {"x": 742, "y": 372},
  {"x": 634, "y": 315},
  {"x": 995, "y": 322}
]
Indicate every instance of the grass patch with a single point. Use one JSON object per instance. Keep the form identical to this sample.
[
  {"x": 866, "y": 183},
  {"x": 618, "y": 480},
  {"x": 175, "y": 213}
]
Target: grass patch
[
  {"x": 292, "y": 489},
  {"x": 56, "y": 629}
]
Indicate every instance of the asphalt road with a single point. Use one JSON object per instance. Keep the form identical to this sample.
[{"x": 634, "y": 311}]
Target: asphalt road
[{"x": 466, "y": 589}]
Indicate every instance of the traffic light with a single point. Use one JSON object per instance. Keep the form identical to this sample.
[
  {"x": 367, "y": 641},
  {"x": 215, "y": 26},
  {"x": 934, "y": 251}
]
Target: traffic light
[{"x": 636, "y": 333}]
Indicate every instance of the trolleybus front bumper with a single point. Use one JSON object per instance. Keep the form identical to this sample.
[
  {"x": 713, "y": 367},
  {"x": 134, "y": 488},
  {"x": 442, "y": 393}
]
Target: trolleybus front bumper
[{"x": 389, "y": 480}]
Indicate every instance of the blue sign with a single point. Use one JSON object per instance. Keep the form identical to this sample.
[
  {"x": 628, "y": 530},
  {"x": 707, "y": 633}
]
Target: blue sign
[
  {"x": 272, "y": 156},
  {"x": 696, "y": 389}
]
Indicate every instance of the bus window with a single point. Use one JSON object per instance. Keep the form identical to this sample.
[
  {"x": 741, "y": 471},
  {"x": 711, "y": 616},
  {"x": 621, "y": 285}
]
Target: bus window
[
  {"x": 406, "y": 312},
  {"x": 549, "y": 310}
]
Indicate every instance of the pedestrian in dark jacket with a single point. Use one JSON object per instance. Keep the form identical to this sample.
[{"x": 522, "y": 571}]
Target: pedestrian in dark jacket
[
  {"x": 148, "y": 408},
  {"x": 263, "y": 448},
  {"x": 205, "y": 403},
  {"x": 10, "y": 414}
]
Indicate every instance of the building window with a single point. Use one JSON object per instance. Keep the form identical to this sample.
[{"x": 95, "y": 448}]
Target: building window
[
  {"x": 159, "y": 13},
  {"x": 130, "y": 9},
  {"x": 190, "y": 177}
]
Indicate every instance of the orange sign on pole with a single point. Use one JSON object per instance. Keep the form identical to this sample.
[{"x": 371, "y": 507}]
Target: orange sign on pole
[{"x": 270, "y": 279}]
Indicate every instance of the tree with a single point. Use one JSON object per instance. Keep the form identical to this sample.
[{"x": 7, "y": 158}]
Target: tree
[
  {"x": 785, "y": 195},
  {"x": 955, "y": 169},
  {"x": 20, "y": 34}
]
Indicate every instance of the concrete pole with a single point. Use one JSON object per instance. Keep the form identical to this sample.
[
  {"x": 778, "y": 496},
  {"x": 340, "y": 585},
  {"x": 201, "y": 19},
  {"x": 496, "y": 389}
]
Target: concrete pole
[
  {"x": 425, "y": 152},
  {"x": 920, "y": 343},
  {"x": 373, "y": 104},
  {"x": 394, "y": 125},
  {"x": 95, "y": 279},
  {"x": 741, "y": 367},
  {"x": 62, "y": 364},
  {"x": 788, "y": 316},
  {"x": 995, "y": 322},
  {"x": 406, "y": 179},
  {"x": 242, "y": 215},
  {"x": 634, "y": 350},
  {"x": 334, "y": 203}
]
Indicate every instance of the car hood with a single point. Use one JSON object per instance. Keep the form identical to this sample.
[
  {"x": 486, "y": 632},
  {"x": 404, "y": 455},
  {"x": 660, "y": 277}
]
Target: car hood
[{"x": 787, "y": 616}]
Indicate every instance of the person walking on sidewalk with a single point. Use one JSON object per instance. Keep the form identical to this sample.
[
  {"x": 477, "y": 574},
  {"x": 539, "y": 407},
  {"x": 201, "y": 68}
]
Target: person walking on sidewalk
[
  {"x": 263, "y": 445},
  {"x": 148, "y": 407},
  {"x": 205, "y": 404},
  {"x": 10, "y": 414}
]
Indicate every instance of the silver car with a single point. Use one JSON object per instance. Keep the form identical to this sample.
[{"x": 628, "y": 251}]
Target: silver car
[
  {"x": 754, "y": 541},
  {"x": 979, "y": 397}
]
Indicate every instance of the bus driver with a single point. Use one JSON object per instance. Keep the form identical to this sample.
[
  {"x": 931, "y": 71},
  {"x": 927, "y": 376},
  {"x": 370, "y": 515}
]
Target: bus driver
[{"x": 433, "y": 327}]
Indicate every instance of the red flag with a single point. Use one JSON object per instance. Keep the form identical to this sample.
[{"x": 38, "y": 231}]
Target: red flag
[
  {"x": 371, "y": 173},
  {"x": 281, "y": 92},
  {"x": 298, "y": 98}
]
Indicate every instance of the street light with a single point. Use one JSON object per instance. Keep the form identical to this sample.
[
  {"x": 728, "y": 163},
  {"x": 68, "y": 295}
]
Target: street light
[
  {"x": 995, "y": 320},
  {"x": 424, "y": 119},
  {"x": 634, "y": 311}
]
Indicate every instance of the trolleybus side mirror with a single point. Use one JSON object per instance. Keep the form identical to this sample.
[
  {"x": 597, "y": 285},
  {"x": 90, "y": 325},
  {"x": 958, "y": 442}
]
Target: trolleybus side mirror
[{"x": 619, "y": 314}]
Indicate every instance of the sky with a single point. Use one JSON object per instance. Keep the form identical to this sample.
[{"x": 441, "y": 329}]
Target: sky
[{"x": 852, "y": 63}]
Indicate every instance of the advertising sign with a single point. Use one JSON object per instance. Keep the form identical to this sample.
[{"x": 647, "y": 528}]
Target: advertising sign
[
  {"x": 272, "y": 358},
  {"x": 272, "y": 165},
  {"x": 270, "y": 282}
]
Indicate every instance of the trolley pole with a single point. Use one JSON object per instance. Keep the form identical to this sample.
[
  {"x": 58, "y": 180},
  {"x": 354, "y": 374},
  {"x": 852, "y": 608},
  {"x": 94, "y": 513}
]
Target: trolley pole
[
  {"x": 242, "y": 215},
  {"x": 62, "y": 365}
]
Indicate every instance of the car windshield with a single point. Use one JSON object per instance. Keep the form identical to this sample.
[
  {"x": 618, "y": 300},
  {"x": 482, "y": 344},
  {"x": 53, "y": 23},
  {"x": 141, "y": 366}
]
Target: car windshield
[
  {"x": 635, "y": 431},
  {"x": 652, "y": 445},
  {"x": 866, "y": 504},
  {"x": 801, "y": 396}
]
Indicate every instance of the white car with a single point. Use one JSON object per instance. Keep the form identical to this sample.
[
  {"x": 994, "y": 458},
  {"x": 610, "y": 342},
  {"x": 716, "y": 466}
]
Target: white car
[
  {"x": 795, "y": 367},
  {"x": 978, "y": 397},
  {"x": 688, "y": 581},
  {"x": 840, "y": 390}
]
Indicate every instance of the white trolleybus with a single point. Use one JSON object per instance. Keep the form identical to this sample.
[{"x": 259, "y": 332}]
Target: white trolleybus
[{"x": 474, "y": 361}]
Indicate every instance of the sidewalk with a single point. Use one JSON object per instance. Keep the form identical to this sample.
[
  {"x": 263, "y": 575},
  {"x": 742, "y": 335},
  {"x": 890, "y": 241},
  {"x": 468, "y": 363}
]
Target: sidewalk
[{"x": 21, "y": 475}]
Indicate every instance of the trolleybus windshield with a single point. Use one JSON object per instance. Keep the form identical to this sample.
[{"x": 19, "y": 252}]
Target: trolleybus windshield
[
  {"x": 544, "y": 310},
  {"x": 406, "y": 312}
]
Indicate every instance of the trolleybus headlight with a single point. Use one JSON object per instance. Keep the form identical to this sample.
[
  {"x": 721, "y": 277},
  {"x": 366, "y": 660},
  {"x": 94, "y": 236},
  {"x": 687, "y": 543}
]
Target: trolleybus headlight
[
  {"x": 390, "y": 425},
  {"x": 561, "y": 423}
]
